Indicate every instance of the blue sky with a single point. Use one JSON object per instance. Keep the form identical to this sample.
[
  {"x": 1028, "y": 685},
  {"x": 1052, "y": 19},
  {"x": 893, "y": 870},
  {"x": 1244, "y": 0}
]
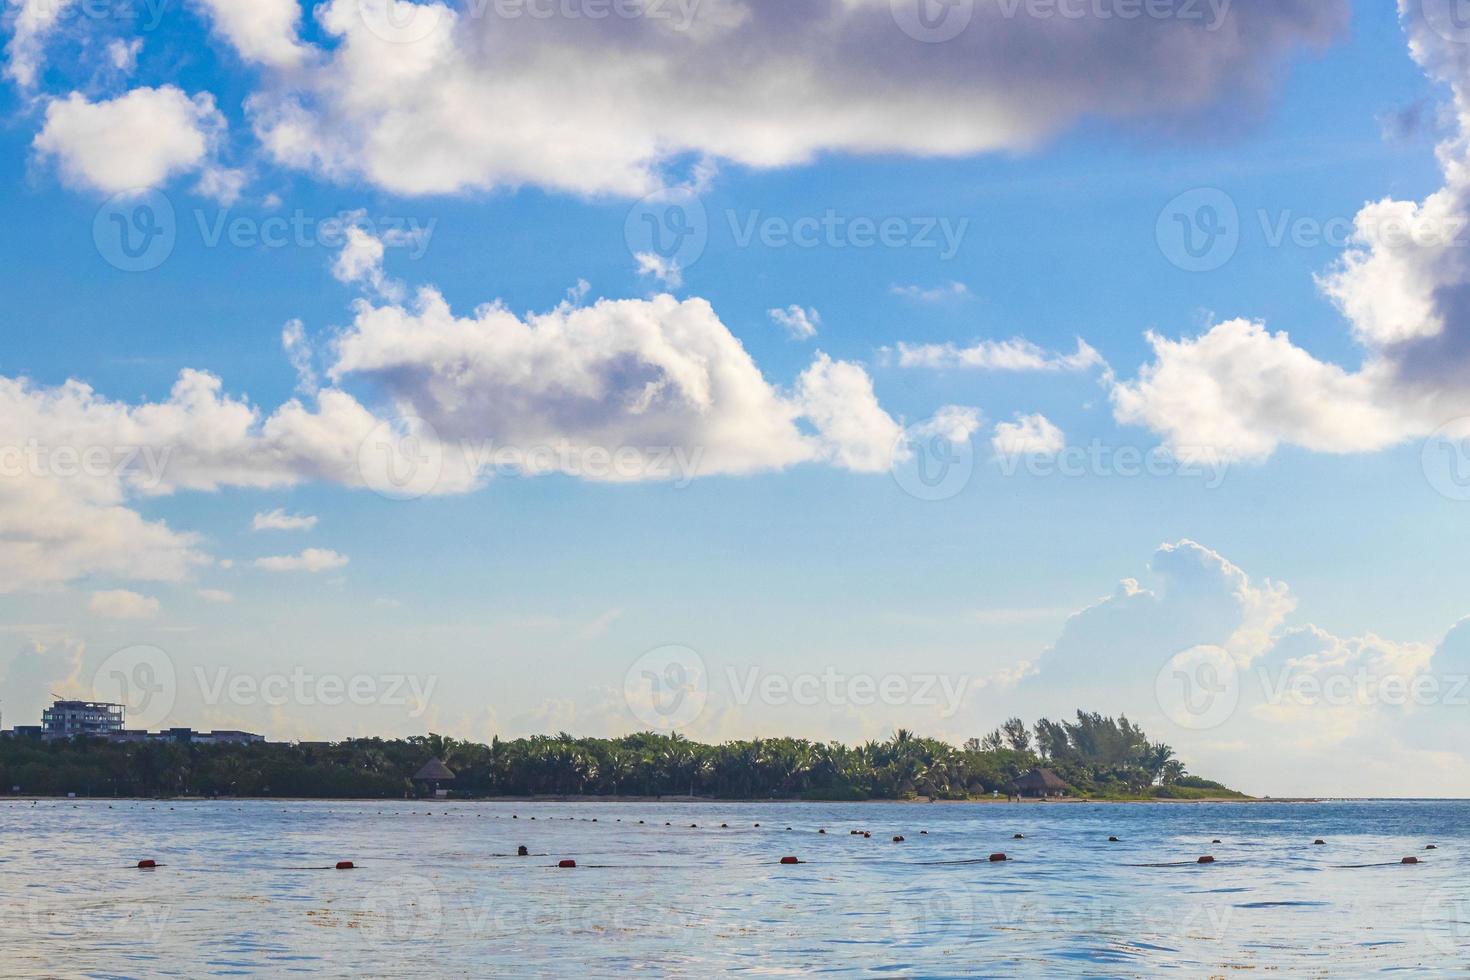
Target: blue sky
[{"x": 523, "y": 601}]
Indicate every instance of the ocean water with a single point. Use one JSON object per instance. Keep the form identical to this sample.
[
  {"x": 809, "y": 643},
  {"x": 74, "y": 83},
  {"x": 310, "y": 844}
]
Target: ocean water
[{"x": 250, "y": 888}]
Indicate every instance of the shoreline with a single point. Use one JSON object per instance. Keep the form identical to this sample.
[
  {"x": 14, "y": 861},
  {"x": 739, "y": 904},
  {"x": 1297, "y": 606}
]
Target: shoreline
[{"x": 703, "y": 800}]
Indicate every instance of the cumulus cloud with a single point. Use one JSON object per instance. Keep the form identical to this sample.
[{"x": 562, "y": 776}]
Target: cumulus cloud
[
  {"x": 1201, "y": 599},
  {"x": 261, "y": 31},
  {"x": 655, "y": 389},
  {"x": 122, "y": 604},
  {"x": 279, "y": 520},
  {"x": 1404, "y": 288},
  {"x": 134, "y": 142},
  {"x": 75, "y": 461},
  {"x": 310, "y": 560},
  {"x": 592, "y": 106},
  {"x": 1016, "y": 354},
  {"x": 1267, "y": 705},
  {"x": 799, "y": 323},
  {"x": 640, "y": 375},
  {"x": 1029, "y": 435},
  {"x": 853, "y": 431},
  {"x": 216, "y": 595}
]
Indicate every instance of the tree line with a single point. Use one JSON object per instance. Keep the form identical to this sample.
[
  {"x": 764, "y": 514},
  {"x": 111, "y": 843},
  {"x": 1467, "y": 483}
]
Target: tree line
[{"x": 1095, "y": 755}]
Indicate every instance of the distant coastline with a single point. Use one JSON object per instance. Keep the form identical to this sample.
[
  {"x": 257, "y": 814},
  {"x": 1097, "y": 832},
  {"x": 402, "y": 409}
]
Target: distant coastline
[{"x": 1092, "y": 759}]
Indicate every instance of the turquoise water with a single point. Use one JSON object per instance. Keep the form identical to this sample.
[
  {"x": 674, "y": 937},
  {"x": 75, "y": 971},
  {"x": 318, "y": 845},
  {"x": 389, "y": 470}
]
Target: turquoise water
[{"x": 249, "y": 888}]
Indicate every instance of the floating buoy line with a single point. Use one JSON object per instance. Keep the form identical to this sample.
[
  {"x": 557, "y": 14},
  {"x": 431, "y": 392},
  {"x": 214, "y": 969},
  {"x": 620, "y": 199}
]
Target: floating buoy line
[{"x": 999, "y": 857}]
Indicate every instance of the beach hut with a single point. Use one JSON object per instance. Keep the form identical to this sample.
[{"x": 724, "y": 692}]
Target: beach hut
[
  {"x": 431, "y": 775},
  {"x": 1038, "y": 784}
]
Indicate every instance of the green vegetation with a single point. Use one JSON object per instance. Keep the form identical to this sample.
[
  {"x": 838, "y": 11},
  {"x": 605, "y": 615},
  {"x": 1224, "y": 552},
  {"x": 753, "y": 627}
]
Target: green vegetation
[{"x": 1096, "y": 756}]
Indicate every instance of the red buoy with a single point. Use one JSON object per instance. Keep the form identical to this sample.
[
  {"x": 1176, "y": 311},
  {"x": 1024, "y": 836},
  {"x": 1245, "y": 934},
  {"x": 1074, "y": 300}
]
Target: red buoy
[
  {"x": 147, "y": 865},
  {"x": 567, "y": 863},
  {"x": 1206, "y": 860},
  {"x": 997, "y": 858},
  {"x": 345, "y": 865},
  {"x": 789, "y": 860},
  {"x": 1409, "y": 861}
]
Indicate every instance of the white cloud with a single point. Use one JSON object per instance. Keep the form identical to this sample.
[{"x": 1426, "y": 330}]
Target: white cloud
[
  {"x": 933, "y": 294},
  {"x": 279, "y": 520},
  {"x": 645, "y": 376},
  {"x": 78, "y": 460},
  {"x": 31, "y": 24},
  {"x": 262, "y": 31},
  {"x": 399, "y": 99},
  {"x": 955, "y": 423},
  {"x": 299, "y": 351},
  {"x": 1029, "y": 435},
  {"x": 216, "y": 595},
  {"x": 654, "y": 389},
  {"x": 666, "y": 271},
  {"x": 1237, "y": 392},
  {"x": 310, "y": 560},
  {"x": 361, "y": 259},
  {"x": 134, "y": 142},
  {"x": 799, "y": 324},
  {"x": 1016, "y": 354},
  {"x": 1283, "y": 709},
  {"x": 122, "y": 604},
  {"x": 221, "y": 184},
  {"x": 853, "y": 430},
  {"x": 1404, "y": 287},
  {"x": 124, "y": 54}
]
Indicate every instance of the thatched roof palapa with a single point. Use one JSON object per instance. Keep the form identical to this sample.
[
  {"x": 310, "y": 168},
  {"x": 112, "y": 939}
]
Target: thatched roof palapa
[
  {"x": 434, "y": 771},
  {"x": 1042, "y": 782}
]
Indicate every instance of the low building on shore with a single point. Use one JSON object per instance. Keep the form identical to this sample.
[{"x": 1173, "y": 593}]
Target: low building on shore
[{"x": 101, "y": 719}]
